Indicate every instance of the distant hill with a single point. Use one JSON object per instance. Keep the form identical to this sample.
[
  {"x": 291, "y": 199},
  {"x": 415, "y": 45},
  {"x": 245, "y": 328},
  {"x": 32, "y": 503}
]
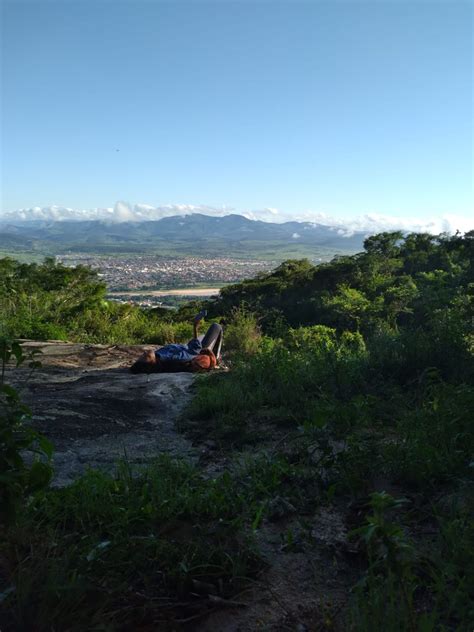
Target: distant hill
[{"x": 191, "y": 234}]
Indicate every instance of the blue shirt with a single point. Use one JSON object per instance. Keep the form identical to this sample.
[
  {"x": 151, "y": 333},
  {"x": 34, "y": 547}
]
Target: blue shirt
[{"x": 180, "y": 353}]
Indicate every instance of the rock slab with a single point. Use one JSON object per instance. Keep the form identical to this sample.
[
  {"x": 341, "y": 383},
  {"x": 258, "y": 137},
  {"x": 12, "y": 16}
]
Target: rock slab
[{"x": 95, "y": 412}]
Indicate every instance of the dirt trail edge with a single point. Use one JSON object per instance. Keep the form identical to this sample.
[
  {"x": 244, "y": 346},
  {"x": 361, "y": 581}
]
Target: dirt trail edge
[{"x": 95, "y": 411}]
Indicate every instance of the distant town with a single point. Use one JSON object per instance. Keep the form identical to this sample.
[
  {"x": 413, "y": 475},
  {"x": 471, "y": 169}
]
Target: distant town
[{"x": 131, "y": 278}]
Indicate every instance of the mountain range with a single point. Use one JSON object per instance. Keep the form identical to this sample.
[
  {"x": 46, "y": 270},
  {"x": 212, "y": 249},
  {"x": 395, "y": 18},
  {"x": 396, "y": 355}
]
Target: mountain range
[{"x": 189, "y": 234}]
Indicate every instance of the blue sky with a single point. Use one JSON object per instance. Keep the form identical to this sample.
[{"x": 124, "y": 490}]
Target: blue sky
[{"x": 345, "y": 108}]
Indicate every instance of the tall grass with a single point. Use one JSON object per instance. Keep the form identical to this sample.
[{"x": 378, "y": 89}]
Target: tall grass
[
  {"x": 242, "y": 333},
  {"x": 126, "y": 551},
  {"x": 150, "y": 547}
]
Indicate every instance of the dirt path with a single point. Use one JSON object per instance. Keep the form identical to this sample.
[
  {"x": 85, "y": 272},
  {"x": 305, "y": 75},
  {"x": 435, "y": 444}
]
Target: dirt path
[{"x": 198, "y": 291}]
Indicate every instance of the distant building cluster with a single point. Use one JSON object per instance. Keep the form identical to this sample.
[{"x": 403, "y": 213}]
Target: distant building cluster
[{"x": 149, "y": 272}]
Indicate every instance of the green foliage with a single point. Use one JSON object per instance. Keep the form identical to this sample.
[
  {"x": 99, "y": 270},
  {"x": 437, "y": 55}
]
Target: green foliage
[
  {"x": 398, "y": 281},
  {"x": 317, "y": 339},
  {"x": 51, "y": 301},
  {"x": 385, "y": 541},
  {"x": 242, "y": 333},
  {"x": 20, "y": 476},
  {"x": 148, "y": 547},
  {"x": 282, "y": 384},
  {"x": 346, "y": 307},
  {"x": 435, "y": 440},
  {"x": 388, "y": 594},
  {"x": 126, "y": 324},
  {"x": 385, "y": 594},
  {"x": 343, "y": 375},
  {"x": 34, "y": 296},
  {"x": 349, "y": 411},
  {"x": 451, "y": 568}
]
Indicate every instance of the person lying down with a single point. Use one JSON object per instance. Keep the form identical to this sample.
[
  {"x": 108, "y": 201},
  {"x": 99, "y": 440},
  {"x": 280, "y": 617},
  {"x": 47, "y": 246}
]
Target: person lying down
[{"x": 202, "y": 353}]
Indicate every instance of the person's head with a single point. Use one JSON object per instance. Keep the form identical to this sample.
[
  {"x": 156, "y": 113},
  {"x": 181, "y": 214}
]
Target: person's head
[
  {"x": 146, "y": 363},
  {"x": 204, "y": 361}
]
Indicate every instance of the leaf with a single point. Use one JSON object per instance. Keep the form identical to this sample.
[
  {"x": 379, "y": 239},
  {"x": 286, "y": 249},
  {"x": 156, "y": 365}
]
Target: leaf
[
  {"x": 258, "y": 517},
  {"x": 39, "y": 476},
  {"x": 369, "y": 532},
  {"x": 9, "y": 391},
  {"x": 95, "y": 552},
  {"x": 319, "y": 420},
  {"x": 17, "y": 351},
  {"x": 46, "y": 446}
]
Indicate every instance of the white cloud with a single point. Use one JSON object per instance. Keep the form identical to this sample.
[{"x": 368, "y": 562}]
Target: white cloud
[
  {"x": 296, "y": 236},
  {"x": 373, "y": 223},
  {"x": 121, "y": 212},
  {"x": 125, "y": 212},
  {"x": 265, "y": 215}
]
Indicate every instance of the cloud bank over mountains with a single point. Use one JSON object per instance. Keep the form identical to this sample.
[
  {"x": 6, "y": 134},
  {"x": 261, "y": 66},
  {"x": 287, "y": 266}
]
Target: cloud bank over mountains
[{"x": 124, "y": 212}]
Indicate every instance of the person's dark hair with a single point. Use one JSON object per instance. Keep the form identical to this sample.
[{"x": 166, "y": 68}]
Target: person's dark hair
[
  {"x": 144, "y": 365},
  {"x": 140, "y": 367}
]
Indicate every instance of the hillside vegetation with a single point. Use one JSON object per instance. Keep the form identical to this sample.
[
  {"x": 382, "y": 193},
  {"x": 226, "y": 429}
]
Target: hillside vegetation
[
  {"x": 53, "y": 301},
  {"x": 351, "y": 390},
  {"x": 397, "y": 282}
]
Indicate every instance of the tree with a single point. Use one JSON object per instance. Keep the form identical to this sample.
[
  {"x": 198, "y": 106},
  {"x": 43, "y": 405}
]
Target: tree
[
  {"x": 348, "y": 307},
  {"x": 385, "y": 244},
  {"x": 398, "y": 298}
]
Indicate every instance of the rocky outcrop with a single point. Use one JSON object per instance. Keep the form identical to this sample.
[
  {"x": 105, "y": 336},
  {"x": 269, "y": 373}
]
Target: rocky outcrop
[{"x": 85, "y": 400}]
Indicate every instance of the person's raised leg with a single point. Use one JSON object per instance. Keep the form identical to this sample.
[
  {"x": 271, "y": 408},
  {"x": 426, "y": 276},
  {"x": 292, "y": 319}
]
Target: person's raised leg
[{"x": 213, "y": 339}]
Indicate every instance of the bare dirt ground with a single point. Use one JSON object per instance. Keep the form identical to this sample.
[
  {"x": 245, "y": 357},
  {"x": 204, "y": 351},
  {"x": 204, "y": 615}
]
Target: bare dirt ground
[
  {"x": 95, "y": 411},
  {"x": 202, "y": 291}
]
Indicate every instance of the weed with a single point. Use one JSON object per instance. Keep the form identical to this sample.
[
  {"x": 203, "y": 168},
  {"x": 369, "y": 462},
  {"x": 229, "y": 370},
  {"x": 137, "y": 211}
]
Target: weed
[
  {"x": 242, "y": 333},
  {"x": 25, "y": 454},
  {"x": 127, "y": 550}
]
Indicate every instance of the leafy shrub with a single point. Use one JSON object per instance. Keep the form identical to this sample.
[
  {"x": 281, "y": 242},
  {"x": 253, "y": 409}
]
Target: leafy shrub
[
  {"x": 388, "y": 594},
  {"x": 166, "y": 333},
  {"x": 318, "y": 339},
  {"x": 242, "y": 333},
  {"x": 19, "y": 477},
  {"x": 46, "y": 331},
  {"x": 354, "y": 342}
]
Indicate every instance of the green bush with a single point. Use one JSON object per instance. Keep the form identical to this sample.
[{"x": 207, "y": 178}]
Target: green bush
[
  {"x": 317, "y": 339},
  {"x": 25, "y": 455},
  {"x": 242, "y": 333}
]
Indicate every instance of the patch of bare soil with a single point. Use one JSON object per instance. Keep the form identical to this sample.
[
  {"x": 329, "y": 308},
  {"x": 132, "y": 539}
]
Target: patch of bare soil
[{"x": 305, "y": 585}]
